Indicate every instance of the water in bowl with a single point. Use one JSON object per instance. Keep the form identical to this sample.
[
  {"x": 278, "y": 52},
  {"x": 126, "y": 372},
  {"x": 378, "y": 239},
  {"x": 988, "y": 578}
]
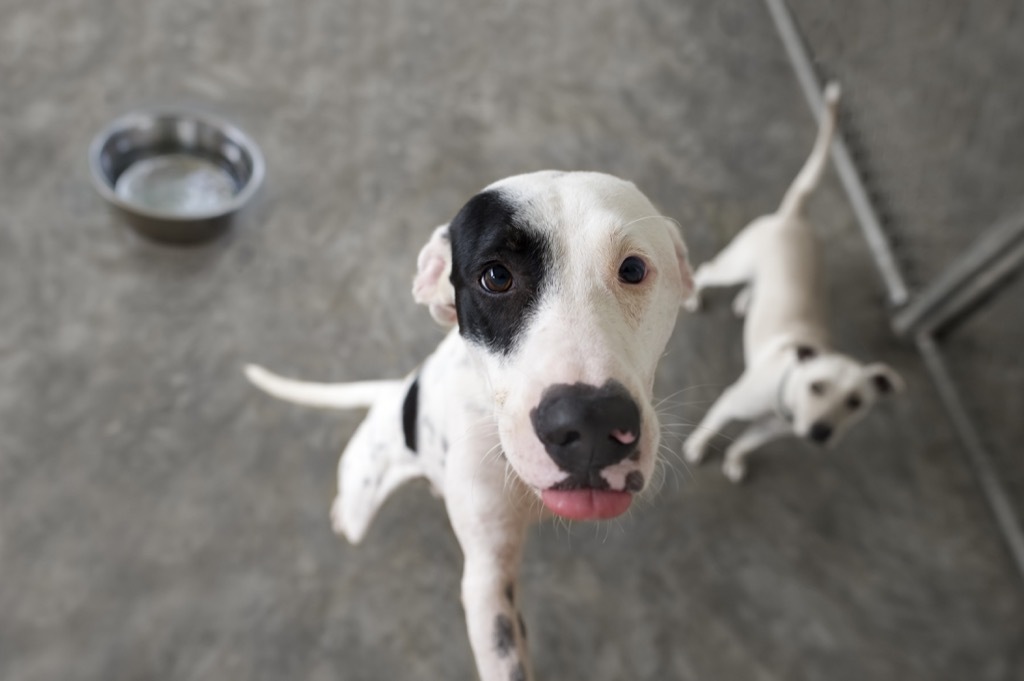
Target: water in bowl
[{"x": 181, "y": 185}]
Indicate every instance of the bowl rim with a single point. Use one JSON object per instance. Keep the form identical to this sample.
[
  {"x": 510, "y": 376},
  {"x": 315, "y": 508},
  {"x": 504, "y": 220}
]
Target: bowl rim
[{"x": 228, "y": 129}]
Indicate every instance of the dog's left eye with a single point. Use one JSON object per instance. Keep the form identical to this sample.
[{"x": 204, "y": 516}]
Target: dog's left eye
[
  {"x": 818, "y": 387},
  {"x": 632, "y": 270},
  {"x": 853, "y": 402},
  {"x": 496, "y": 279}
]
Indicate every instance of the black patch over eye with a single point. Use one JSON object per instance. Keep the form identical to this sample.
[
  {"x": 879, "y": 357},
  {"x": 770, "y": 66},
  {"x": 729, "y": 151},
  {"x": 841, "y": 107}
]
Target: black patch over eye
[
  {"x": 632, "y": 270},
  {"x": 496, "y": 279},
  {"x": 818, "y": 387},
  {"x": 487, "y": 231},
  {"x": 853, "y": 402}
]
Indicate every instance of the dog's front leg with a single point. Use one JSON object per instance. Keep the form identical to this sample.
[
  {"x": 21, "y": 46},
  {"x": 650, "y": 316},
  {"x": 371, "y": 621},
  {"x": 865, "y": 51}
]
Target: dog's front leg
[
  {"x": 742, "y": 401},
  {"x": 757, "y": 434},
  {"x": 491, "y": 529},
  {"x": 496, "y": 630}
]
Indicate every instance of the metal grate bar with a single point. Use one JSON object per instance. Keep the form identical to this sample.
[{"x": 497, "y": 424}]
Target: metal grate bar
[
  {"x": 977, "y": 455},
  {"x": 851, "y": 179},
  {"x": 995, "y": 255}
]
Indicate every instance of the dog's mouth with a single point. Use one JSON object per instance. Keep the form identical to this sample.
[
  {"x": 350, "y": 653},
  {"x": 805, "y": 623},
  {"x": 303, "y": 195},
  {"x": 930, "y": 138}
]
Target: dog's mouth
[
  {"x": 586, "y": 503},
  {"x": 590, "y": 497}
]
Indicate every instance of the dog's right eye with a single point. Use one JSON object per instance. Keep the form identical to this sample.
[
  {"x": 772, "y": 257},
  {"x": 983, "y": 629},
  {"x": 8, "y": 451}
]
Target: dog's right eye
[
  {"x": 632, "y": 270},
  {"x": 496, "y": 279},
  {"x": 818, "y": 387}
]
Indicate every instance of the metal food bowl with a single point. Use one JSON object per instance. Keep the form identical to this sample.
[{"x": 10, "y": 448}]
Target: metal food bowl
[{"x": 176, "y": 176}]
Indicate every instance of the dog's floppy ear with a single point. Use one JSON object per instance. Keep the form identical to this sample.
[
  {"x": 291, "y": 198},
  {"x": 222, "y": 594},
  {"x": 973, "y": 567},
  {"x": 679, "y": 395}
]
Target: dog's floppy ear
[
  {"x": 885, "y": 380},
  {"x": 683, "y": 258},
  {"x": 432, "y": 285}
]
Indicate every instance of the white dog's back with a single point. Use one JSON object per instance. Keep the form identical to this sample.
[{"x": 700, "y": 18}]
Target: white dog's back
[
  {"x": 787, "y": 286},
  {"x": 786, "y": 290}
]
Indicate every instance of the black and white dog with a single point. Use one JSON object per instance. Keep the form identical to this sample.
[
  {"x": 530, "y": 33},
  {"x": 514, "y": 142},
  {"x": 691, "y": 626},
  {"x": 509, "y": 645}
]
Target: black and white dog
[{"x": 564, "y": 288}]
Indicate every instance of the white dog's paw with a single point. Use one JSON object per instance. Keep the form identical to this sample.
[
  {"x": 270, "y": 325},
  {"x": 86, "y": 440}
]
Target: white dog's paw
[
  {"x": 832, "y": 93},
  {"x": 741, "y": 303},
  {"x": 338, "y": 519},
  {"x": 693, "y": 303},
  {"x": 694, "y": 450},
  {"x": 734, "y": 470}
]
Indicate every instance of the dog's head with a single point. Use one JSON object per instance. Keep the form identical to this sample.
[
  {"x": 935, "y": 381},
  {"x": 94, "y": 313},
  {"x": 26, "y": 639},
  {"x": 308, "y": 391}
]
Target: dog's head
[
  {"x": 826, "y": 393},
  {"x": 566, "y": 286}
]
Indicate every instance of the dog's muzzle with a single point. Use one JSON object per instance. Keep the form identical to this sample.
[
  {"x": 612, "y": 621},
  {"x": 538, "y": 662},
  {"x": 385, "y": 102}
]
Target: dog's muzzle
[
  {"x": 820, "y": 432},
  {"x": 585, "y": 429}
]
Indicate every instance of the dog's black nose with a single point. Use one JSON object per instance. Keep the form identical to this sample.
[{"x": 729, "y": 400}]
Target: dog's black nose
[
  {"x": 820, "y": 432},
  {"x": 585, "y": 428}
]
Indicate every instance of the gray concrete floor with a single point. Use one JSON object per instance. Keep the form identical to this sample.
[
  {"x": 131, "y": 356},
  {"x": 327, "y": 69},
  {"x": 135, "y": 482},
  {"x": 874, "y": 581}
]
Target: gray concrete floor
[{"x": 160, "y": 519}]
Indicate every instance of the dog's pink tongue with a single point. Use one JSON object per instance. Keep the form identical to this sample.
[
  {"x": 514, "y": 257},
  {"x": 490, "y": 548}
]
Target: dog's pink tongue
[{"x": 586, "y": 504}]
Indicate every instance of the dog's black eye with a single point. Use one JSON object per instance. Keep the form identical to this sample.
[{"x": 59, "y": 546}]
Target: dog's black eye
[
  {"x": 818, "y": 387},
  {"x": 853, "y": 402},
  {"x": 496, "y": 279},
  {"x": 632, "y": 270}
]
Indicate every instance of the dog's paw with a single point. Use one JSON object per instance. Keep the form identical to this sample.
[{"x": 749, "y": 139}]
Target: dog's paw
[
  {"x": 832, "y": 93},
  {"x": 693, "y": 303},
  {"x": 741, "y": 303},
  {"x": 735, "y": 470},
  {"x": 342, "y": 526},
  {"x": 693, "y": 450}
]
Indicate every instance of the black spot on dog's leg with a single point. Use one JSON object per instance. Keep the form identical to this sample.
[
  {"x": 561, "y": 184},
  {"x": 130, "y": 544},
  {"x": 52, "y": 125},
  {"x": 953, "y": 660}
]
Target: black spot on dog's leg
[
  {"x": 518, "y": 673},
  {"x": 510, "y": 592},
  {"x": 634, "y": 481},
  {"x": 504, "y": 635}
]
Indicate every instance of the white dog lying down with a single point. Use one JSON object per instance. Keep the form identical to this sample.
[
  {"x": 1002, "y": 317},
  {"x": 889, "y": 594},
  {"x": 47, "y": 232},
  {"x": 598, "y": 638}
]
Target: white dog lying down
[
  {"x": 564, "y": 288},
  {"x": 794, "y": 383}
]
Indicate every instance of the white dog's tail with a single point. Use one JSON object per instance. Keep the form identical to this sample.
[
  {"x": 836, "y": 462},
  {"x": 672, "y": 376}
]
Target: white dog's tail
[
  {"x": 810, "y": 174},
  {"x": 323, "y": 395}
]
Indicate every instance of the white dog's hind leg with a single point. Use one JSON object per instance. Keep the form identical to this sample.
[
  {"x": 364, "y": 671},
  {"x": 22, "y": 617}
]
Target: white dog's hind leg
[
  {"x": 735, "y": 264},
  {"x": 757, "y": 434},
  {"x": 375, "y": 463},
  {"x": 322, "y": 395}
]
